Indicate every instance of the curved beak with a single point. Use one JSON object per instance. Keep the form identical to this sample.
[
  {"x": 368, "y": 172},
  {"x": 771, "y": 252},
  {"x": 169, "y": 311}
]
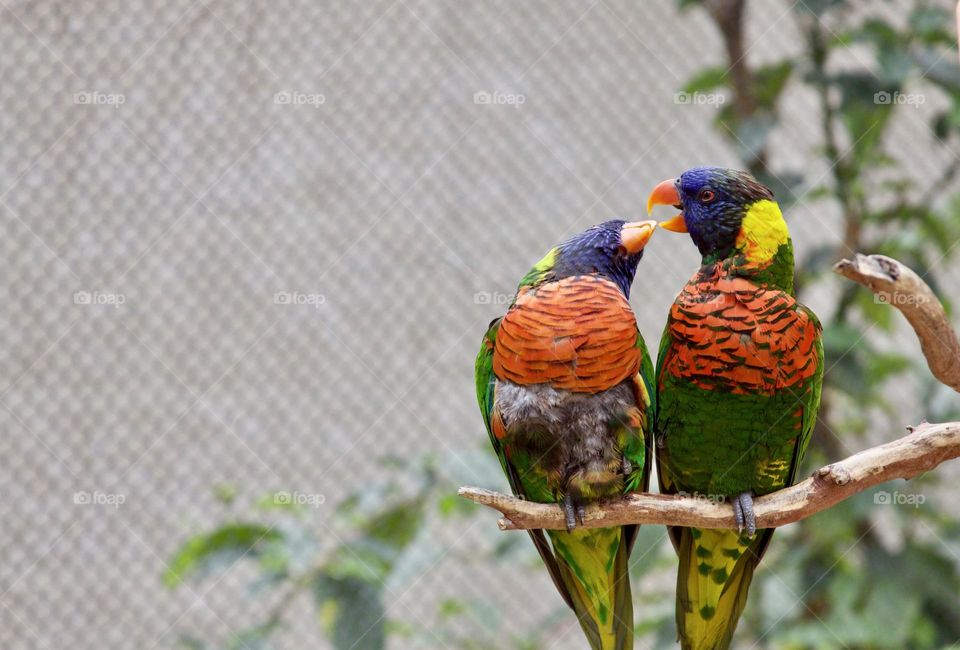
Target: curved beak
[
  {"x": 635, "y": 235},
  {"x": 666, "y": 194}
]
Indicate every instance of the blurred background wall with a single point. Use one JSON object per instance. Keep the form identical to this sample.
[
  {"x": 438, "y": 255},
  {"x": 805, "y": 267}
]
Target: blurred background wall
[{"x": 249, "y": 249}]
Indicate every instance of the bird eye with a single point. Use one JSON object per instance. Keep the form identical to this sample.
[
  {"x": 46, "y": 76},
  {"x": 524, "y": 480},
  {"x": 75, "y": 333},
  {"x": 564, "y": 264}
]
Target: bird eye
[{"x": 706, "y": 196}]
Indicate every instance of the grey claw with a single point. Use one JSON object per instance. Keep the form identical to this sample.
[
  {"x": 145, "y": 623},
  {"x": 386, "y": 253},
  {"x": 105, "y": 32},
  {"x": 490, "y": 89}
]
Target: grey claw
[
  {"x": 738, "y": 513},
  {"x": 626, "y": 467},
  {"x": 749, "y": 518},
  {"x": 581, "y": 512},
  {"x": 570, "y": 514}
]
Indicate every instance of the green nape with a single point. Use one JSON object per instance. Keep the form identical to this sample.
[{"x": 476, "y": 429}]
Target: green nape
[
  {"x": 778, "y": 274},
  {"x": 541, "y": 270}
]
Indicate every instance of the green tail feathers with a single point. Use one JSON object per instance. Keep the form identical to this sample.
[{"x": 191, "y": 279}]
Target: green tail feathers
[
  {"x": 593, "y": 566},
  {"x": 716, "y": 567}
]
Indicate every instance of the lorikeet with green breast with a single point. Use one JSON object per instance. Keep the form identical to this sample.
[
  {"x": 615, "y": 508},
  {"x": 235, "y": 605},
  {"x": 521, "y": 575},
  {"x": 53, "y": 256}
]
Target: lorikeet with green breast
[
  {"x": 565, "y": 385},
  {"x": 739, "y": 374}
]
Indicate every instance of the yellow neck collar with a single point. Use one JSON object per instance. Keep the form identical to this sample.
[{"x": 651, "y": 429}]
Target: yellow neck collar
[{"x": 762, "y": 232}]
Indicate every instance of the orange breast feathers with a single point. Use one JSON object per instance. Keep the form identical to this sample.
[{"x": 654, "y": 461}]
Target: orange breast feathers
[
  {"x": 577, "y": 334},
  {"x": 730, "y": 334}
]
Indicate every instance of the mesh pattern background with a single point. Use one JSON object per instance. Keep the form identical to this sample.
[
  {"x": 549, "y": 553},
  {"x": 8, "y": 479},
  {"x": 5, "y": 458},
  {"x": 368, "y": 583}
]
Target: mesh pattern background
[{"x": 335, "y": 152}]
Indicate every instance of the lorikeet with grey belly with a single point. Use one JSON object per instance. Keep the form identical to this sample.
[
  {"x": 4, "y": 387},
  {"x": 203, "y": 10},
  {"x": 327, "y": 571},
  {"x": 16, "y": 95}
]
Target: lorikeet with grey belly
[
  {"x": 565, "y": 385},
  {"x": 739, "y": 374}
]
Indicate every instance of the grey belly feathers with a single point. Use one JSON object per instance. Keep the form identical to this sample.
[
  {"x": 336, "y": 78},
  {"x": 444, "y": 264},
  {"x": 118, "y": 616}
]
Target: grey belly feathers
[{"x": 570, "y": 432}]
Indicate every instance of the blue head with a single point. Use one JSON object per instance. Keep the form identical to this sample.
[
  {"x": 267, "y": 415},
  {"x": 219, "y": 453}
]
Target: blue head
[
  {"x": 611, "y": 250},
  {"x": 714, "y": 202}
]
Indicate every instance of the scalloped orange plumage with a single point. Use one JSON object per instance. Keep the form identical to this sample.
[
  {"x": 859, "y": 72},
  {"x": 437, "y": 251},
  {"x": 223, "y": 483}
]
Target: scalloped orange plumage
[
  {"x": 577, "y": 334},
  {"x": 733, "y": 334}
]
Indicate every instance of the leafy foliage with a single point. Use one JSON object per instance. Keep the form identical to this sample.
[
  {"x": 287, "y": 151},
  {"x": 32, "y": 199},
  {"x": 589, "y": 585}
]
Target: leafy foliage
[{"x": 347, "y": 580}]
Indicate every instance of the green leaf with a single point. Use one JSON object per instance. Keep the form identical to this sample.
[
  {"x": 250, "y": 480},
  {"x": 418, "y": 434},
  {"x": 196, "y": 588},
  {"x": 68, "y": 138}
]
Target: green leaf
[
  {"x": 930, "y": 25},
  {"x": 225, "y": 493},
  {"x": 397, "y": 526},
  {"x": 770, "y": 81},
  {"x": 707, "y": 79},
  {"x": 452, "y": 607},
  {"x": 453, "y": 504},
  {"x": 866, "y": 105},
  {"x": 351, "y": 612},
  {"x": 207, "y": 552},
  {"x": 891, "y": 49}
]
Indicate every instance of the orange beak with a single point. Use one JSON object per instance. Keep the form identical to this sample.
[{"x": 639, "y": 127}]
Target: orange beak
[
  {"x": 666, "y": 194},
  {"x": 635, "y": 235}
]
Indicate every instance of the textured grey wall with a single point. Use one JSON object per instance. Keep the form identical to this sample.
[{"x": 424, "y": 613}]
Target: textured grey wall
[{"x": 191, "y": 160}]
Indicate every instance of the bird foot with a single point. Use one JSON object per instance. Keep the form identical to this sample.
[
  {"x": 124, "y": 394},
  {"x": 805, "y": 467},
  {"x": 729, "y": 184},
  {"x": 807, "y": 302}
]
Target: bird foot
[
  {"x": 743, "y": 513},
  {"x": 573, "y": 513}
]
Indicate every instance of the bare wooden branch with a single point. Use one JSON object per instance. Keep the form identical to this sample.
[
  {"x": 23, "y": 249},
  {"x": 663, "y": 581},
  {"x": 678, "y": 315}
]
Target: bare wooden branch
[
  {"x": 897, "y": 285},
  {"x": 925, "y": 447},
  {"x": 920, "y": 451}
]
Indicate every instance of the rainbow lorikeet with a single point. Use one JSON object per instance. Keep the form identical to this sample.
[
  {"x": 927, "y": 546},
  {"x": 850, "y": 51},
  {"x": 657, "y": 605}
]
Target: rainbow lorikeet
[
  {"x": 565, "y": 385},
  {"x": 739, "y": 375}
]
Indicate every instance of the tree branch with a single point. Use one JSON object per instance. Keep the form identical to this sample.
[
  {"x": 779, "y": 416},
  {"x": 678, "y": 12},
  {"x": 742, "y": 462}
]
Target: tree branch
[
  {"x": 898, "y": 285},
  {"x": 926, "y": 446}
]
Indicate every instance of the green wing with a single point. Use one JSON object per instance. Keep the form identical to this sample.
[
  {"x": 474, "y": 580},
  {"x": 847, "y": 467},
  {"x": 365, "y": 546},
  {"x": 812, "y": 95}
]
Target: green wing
[
  {"x": 639, "y": 449},
  {"x": 811, "y": 405},
  {"x": 483, "y": 373},
  {"x": 486, "y": 383},
  {"x": 666, "y": 485},
  {"x": 639, "y": 442}
]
